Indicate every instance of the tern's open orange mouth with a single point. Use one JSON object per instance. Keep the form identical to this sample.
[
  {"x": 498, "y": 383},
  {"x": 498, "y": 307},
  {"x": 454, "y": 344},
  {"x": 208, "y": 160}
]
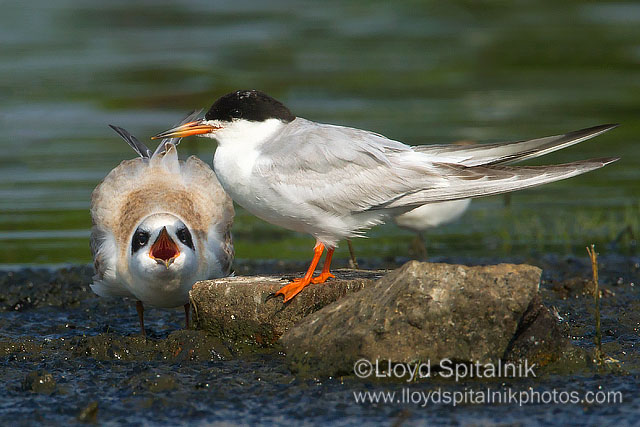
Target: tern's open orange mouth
[
  {"x": 197, "y": 127},
  {"x": 164, "y": 250}
]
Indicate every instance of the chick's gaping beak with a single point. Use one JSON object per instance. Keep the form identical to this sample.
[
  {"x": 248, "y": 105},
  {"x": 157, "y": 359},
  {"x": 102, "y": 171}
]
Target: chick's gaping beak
[
  {"x": 164, "y": 250},
  {"x": 198, "y": 127}
]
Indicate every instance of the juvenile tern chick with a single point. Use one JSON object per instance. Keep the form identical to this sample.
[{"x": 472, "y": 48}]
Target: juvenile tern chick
[
  {"x": 334, "y": 182},
  {"x": 431, "y": 215},
  {"x": 422, "y": 218},
  {"x": 159, "y": 225}
]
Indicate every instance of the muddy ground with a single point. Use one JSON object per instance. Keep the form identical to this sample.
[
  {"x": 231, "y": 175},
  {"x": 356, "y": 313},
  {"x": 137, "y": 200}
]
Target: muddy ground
[{"x": 67, "y": 355}]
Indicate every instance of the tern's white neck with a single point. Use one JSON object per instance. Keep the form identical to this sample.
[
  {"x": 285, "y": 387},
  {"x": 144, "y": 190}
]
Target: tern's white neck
[
  {"x": 244, "y": 134},
  {"x": 240, "y": 145}
]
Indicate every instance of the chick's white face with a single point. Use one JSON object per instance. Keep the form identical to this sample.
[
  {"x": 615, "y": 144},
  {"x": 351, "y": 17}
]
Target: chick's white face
[{"x": 162, "y": 248}]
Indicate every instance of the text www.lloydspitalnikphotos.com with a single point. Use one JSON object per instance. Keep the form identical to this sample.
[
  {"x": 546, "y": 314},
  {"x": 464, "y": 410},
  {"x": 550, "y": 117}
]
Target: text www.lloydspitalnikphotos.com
[
  {"x": 469, "y": 396},
  {"x": 446, "y": 368}
]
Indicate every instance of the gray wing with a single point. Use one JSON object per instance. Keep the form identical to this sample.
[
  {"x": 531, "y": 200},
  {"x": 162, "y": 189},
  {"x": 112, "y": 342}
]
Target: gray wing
[
  {"x": 94, "y": 245},
  {"x": 226, "y": 253},
  {"x": 101, "y": 259},
  {"x": 334, "y": 168},
  {"x": 343, "y": 171},
  {"x": 510, "y": 152},
  {"x": 137, "y": 146},
  {"x": 104, "y": 260},
  {"x": 478, "y": 181}
]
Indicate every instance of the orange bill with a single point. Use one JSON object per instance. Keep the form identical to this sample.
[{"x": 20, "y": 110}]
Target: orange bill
[{"x": 197, "y": 127}]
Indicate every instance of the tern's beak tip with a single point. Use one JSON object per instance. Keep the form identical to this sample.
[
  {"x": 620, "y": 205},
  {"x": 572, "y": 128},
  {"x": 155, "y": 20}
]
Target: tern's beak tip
[{"x": 198, "y": 127}]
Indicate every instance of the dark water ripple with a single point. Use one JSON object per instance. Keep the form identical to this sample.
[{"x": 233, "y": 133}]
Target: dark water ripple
[{"x": 419, "y": 73}]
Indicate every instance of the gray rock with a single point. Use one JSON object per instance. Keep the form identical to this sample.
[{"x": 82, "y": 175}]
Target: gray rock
[
  {"x": 539, "y": 338},
  {"x": 420, "y": 312},
  {"x": 238, "y": 310}
]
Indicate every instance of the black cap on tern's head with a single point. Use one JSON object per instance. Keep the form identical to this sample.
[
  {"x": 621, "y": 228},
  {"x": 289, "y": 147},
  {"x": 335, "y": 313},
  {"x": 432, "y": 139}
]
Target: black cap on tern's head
[{"x": 251, "y": 105}]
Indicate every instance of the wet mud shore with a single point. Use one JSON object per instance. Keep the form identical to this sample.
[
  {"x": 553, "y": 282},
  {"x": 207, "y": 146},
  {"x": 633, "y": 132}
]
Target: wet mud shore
[{"x": 67, "y": 355}]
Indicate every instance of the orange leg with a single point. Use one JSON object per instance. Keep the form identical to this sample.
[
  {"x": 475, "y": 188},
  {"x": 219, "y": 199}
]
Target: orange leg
[
  {"x": 292, "y": 289},
  {"x": 324, "y": 275}
]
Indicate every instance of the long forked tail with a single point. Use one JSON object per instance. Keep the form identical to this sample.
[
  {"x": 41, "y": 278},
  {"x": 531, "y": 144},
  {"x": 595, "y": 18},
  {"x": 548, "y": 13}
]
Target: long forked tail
[
  {"x": 476, "y": 181},
  {"x": 510, "y": 152}
]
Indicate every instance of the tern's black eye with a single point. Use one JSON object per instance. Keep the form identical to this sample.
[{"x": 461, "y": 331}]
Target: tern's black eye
[
  {"x": 185, "y": 237},
  {"x": 140, "y": 238}
]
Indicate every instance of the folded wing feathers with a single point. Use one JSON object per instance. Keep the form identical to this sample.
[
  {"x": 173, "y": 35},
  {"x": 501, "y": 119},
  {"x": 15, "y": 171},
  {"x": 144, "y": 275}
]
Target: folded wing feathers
[{"x": 476, "y": 181}]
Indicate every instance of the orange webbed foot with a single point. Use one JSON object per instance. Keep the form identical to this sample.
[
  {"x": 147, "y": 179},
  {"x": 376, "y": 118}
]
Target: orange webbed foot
[
  {"x": 322, "y": 277},
  {"x": 292, "y": 289}
]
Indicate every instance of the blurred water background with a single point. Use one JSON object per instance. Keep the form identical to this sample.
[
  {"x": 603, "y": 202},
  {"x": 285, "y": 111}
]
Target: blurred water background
[{"x": 419, "y": 72}]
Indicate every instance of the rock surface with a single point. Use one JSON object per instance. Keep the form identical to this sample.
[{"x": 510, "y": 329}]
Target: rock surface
[
  {"x": 539, "y": 339},
  {"x": 39, "y": 382},
  {"x": 422, "y": 312},
  {"x": 239, "y": 310}
]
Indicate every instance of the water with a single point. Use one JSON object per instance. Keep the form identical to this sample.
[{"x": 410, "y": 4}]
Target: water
[{"x": 428, "y": 72}]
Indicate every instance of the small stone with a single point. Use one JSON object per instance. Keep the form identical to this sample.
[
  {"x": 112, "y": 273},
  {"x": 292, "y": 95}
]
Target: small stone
[
  {"x": 39, "y": 382},
  {"x": 89, "y": 413},
  {"x": 539, "y": 338},
  {"x": 573, "y": 286},
  {"x": 161, "y": 383}
]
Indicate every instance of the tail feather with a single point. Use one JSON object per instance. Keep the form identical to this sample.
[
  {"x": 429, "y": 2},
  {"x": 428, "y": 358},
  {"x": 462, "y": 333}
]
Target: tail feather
[{"x": 510, "y": 152}]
